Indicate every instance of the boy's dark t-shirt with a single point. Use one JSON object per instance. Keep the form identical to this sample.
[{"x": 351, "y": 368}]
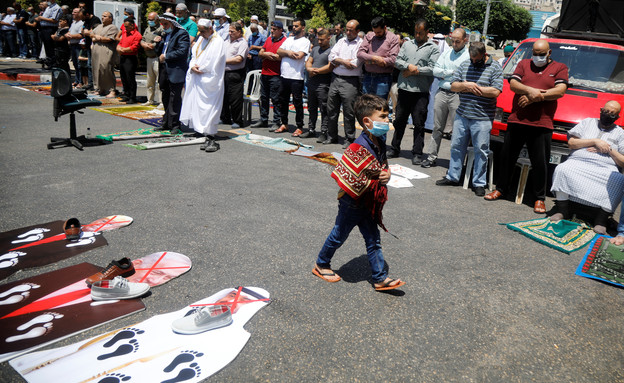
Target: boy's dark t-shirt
[
  {"x": 84, "y": 52},
  {"x": 61, "y": 48}
]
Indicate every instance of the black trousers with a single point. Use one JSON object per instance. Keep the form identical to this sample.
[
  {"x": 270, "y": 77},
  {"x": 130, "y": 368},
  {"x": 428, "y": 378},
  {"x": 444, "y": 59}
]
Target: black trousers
[
  {"x": 414, "y": 104},
  {"x": 294, "y": 87},
  {"x": 45, "y": 34},
  {"x": 127, "y": 72},
  {"x": 171, "y": 96},
  {"x": 232, "y": 110},
  {"x": 537, "y": 140},
  {"x": 317, "y": 98},
  {"x": 270, "y": 88}
]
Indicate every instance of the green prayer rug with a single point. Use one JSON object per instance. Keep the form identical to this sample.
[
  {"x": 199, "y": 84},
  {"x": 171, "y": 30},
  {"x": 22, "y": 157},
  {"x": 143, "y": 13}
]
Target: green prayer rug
[
  {"x": 565, "y": 236},
  {"x": 604, "y": 261}
]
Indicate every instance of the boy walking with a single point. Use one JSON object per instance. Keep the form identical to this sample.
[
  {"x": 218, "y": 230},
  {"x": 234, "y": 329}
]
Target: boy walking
[{"x": 362, "y": 175}]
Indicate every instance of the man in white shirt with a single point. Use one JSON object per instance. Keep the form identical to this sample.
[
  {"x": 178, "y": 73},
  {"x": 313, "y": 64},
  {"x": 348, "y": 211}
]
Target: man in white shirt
[
  {"x": 75, "y": 35},
  {"x": 445, "y": 101},
  {"x": 345, "y": 85},
  {"x": 293, "y": 52}
]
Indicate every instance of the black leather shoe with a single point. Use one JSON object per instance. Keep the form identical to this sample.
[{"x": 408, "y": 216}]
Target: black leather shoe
[
  {"x": 479, "y": 191},
  {"x": 416, "y": 159},
  {"x": 330, "y": 141},
  {"x": 175, "y": 131},
  {"x": 321, "y": 138},
  {"x": 273, "y": 127},
  {"x": 308, "y": 134},
  {"x": 446, "y": 182},
  {"x": 427, "y": 163},
  {"x": 161, "y": 128},
  {"x": 391, "y": 153},
  {"x": 260, "y": 124}
]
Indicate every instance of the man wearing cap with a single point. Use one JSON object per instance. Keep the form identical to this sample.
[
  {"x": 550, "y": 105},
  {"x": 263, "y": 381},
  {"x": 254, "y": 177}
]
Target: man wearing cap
[
  {"x": 185, "y": 21},
  {"x": 236, "y": 49},
  {"x": 148, "y": 44},
  {"x": 173, "y": 51},
  {"x": 270, "y": 83},
  {"x": 507, "y": 51},
  {"x": 293, "y": 52},
  {"x": 221, "y": 24},
  {"x": 128, "y": 12},
  {"x": 203, "y": 97},
  {"x": 254, "y": 20}
]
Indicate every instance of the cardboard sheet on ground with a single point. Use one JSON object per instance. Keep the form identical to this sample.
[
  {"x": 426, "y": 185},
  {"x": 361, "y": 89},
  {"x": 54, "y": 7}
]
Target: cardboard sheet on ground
[
  {"x": 40, "y": 310},
  {"x": 565, "y": 236},
  {"x": 280, "y": 144},
  {"x": 406, "y": 172},
  {"x": 40, "y": 245},
  {"x": 150, "y": 351},
  {"x": 603, "y": 261}
]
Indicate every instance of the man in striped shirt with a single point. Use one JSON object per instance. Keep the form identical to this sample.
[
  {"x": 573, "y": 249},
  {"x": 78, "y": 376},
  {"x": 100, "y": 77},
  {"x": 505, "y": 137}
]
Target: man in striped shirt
[{"x": 478, "y": 81}]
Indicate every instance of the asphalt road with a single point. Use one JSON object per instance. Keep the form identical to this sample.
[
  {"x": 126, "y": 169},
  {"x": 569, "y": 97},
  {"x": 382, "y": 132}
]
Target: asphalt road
[{"x": 481, "y": 304}]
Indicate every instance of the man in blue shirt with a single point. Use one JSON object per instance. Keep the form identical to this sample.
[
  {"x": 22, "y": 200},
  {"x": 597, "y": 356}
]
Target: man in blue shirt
[
  {"x": 478, "y": 81},
  {"x": 255, "y": 42}
]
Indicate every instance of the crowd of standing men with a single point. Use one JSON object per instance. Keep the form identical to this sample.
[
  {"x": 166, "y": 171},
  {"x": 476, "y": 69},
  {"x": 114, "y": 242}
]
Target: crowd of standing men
[{"x": 200, "y": 66}]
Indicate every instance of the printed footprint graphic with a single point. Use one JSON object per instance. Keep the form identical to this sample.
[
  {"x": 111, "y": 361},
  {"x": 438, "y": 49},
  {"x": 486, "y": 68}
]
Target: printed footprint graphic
[
  {"x": 115, "y": 378},
  {"x": 45, "y": 322},
  {"x": 186, "y": 356},
  {"x": 130, "y": 347},
  {"x": 186, "y": 374},
  {"x": 127, "y": 333},
  {"x": 32, "y": 235},
  {"x": 10, "y": 259},
  {"x": 17, "y": 293}
]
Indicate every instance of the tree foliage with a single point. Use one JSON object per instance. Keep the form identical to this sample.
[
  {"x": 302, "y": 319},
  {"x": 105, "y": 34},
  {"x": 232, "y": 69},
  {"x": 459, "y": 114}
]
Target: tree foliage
[
  {"x": 399, "y": 14},
  {"x": 507, "y": 21},
  {"x": 319, "y": 17},
  {"x": 244, "y": 9}
]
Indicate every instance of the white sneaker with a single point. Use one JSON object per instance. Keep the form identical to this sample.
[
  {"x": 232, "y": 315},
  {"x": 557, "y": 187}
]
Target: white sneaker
[
  {"x": 203, "y": 319},
  {"x": 147, "y": 104},
  {"x": 118, "y": 288}
]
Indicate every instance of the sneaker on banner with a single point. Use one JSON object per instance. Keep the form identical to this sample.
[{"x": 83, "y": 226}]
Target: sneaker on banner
[
  {"x": 203, "y": 319},
  {"x": 118, "y": 288}
]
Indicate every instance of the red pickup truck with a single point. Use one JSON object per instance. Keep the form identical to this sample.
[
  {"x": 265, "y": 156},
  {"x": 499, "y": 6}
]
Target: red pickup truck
[{"x": 596, "y": 75}]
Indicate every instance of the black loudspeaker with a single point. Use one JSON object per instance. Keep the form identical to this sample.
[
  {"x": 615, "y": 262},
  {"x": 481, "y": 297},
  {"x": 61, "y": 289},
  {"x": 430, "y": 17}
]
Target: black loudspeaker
[{"x": 598, "y": 16}]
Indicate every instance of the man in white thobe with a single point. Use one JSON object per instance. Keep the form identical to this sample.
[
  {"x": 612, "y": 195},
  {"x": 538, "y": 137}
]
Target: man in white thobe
[{"x": 203, "y": 97}]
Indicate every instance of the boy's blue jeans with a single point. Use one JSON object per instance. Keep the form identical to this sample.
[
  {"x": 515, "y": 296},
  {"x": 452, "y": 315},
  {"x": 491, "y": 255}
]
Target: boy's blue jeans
[{"x": 349, "y": 216}]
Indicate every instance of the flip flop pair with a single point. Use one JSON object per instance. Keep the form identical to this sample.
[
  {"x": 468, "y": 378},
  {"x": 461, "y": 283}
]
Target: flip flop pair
[
  {"x": 388, "y": 285},
  {"x": 325, "y": 276}
]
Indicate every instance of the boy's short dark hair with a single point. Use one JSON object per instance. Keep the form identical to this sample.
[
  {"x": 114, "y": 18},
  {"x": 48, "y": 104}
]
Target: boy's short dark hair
[{"x": 367, "y": 104}]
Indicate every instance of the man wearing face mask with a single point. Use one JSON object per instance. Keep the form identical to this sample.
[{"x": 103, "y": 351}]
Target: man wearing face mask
[
  {"x": 256, "y": 42},
  {"x": 415, "y": 62},
  {"x": 538, "y": 83},
  {"x": 478, "y": 81},
  {"x": 591, "y": 174},
  {"x": 182, "y": 14},
  {"x": 148, "y": 43},
  {"x": 221, "y": 23}
]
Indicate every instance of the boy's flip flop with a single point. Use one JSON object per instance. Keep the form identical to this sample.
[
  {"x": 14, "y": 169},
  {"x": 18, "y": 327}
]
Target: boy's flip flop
[
  {"x": 387, "y": 285},
  {"x": 324, "y": 276}
]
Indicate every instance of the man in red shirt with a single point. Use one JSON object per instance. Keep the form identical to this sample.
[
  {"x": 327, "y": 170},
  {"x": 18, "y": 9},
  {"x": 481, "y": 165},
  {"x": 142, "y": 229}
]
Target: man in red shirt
[
  {"x": 538, "y": 83},
  {"x": 270, "y": 83},
  {"x": 128, "y": 49}
]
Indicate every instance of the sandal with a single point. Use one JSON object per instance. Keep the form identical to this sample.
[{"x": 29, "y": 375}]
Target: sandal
[
  {"x": 387, "y": 284},
  {"x": 326, "y": 276},
  {"x": 539, "y": 207}
]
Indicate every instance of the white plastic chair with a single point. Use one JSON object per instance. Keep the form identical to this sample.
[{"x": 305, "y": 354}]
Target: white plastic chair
[{"x": 251, "y": 93}]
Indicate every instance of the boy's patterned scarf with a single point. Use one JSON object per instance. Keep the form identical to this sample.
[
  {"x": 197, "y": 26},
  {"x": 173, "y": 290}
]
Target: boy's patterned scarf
[{"x": 357, "y": 174}]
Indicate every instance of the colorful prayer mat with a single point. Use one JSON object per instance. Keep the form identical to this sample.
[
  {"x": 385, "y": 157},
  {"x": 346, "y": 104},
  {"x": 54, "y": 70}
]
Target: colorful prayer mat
[
  {"x": 134, "y": 134},
  {"x": 565, "y": 236},
  {"x": 154, "y": 121},
  {"x": 41, "y": 89},
  {"x": 280, "y": 144},
  {"x": 326, "y": 158},
  {"x": 165, "y": 142},
  {"x": 604, "y": 261}
]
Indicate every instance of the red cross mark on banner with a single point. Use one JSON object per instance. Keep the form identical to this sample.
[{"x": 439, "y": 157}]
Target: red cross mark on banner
[{"x": 237, "y": 299}]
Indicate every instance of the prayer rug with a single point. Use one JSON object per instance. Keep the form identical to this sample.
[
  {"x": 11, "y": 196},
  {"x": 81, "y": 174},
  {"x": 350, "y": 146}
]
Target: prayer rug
[
  {"x": 110, "y": 101},
  {"x": 150, "y": 351},
  {"x": 42, "y": 244},
  {"x": 565, "y": 236},
  {"x": 154, "y": 121},
  {"x": 134, "y": 135},
  {"x": 326, "y": 158},
  {"x": 41, "y": 89},
  {"x": 604, "y": 261},
  {"x": 280, "y": 144},
  {"x": 165, "y": 142}
]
